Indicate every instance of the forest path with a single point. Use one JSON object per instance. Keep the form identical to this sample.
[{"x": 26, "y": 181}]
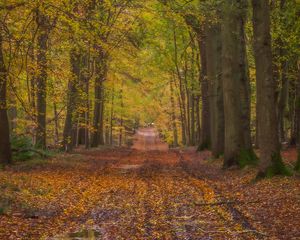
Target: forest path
[
  {"x": 123, "y": 193},
  {"x": 148, "y": 139},
  {"x": 117, "y": 194},
  {"x": 148, "y": 195}
]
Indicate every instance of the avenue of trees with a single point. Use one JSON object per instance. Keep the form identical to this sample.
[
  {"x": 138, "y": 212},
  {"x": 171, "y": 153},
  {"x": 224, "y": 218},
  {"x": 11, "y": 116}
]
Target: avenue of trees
[{"x": 222, "y": 75}]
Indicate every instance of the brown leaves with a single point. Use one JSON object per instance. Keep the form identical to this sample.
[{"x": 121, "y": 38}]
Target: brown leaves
[{"x": 90, "y": 190}]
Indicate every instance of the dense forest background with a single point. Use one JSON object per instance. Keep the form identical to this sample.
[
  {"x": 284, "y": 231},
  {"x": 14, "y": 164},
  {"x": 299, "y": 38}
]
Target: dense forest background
[{"x": 220, "y": 75}]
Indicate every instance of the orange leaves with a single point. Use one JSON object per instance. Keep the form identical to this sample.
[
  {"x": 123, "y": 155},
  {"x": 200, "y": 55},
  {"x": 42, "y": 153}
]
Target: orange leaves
[{"x": 160, "y": 198}]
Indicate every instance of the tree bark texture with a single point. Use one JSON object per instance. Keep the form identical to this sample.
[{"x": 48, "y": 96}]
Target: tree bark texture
[
  {"x": 238, "y": 149},
  {"x": 5, "y": 146},
  {"x": 270, "y": 157},
  {"x": 214, "y": 70}
]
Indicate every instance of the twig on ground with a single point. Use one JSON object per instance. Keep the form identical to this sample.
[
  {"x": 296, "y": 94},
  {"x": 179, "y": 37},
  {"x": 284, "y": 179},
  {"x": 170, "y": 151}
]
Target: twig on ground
[
  {"x": 224, "y": 203},
  {"x": 231, "y": 232}
]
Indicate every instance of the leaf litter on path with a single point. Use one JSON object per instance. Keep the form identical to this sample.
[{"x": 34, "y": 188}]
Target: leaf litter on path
[{"x": 130, "y": 194}]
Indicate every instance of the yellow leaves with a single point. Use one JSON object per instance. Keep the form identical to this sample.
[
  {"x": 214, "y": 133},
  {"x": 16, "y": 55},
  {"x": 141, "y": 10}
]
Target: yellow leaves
[{"x": 154, "y": 201}]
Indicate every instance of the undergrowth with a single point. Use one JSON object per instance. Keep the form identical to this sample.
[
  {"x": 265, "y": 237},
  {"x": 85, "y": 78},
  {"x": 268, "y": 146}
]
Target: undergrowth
[{"x": 24, "y": 150}]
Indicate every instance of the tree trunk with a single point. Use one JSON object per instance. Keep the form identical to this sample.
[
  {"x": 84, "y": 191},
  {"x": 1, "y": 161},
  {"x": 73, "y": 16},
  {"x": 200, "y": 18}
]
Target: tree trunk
[
  {"x": 198, "y": 122},
  {"x": 121, "y": 118},
  {"x": 186, "y": 102},
  {"x": 192, "y": 94},
  {"x": 12, "y": 114},
  {"x": 173, "y": 116},
  {"x": 56, "y": 125},
  {"x": 283, "y": 98},
  {"x": 68, "y": 134},
  {"x": 41, "y": 78},
  {"x": 182, "y": 116},
  {"x": 192, "y": 140},
  {"x": 31, "y": 75},
  {"x": 199, "y": 29},
  {"x": 205, "y": 139},
  {"x": 181, "y": 93},
  {"x": 216, "y": 108},
  {"x": 87, "y": 117},
  {"x": 100, "y": 71},
  {"x": 84, "y": 78},
  {"x": 297, "y": 111},
  {"x": 238, "y": 149},
  {"x": 5, "y": 148},
  {"x": 111, "y": 115},
  {"x": 280, "y": 75},
  {"x": 270, "y": 156},
  {"x": 101, "y": 125}
]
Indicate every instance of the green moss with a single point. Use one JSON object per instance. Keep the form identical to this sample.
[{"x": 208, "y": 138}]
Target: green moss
[
  {"x": 204, "y": 146},
  {"x": 5, "y": 205},
  {"x": 247, "y": 157},
  {"x": 277, "y": 168},
  {"x": 297, "y": 167},
  {"x": 217, "y": 155}
]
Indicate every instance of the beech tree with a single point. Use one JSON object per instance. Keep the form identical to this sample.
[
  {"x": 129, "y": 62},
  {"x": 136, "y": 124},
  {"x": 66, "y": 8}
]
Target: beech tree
[
  {"x": 235, "y": 76},
  {"x": 44, "y": 26},
  {"x": 297, "y": 105},
  {"x": 270, "y": 156},
  {"x": 5, "y": 148}
]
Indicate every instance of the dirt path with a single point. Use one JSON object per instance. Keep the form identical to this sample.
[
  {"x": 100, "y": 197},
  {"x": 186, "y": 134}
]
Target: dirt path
[
  {"x": 122, "y": 193},
  {"x": 150, "y": 196},
  {"x": 119, "y": 194}
]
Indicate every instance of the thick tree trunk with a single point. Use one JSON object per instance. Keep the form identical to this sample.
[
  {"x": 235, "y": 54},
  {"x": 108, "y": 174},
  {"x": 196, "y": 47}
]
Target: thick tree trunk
[
  {"x": 216, "y": 106},
  {"x": 69, "y": 128},
  {"x": 205, "y": 139},
  {"x": 5, "y": 148},
  {"x": 83, "y": 100},
  {"x": 270, "y": 157},
  {"x": 41, "y": 78},
  {"x": 238, "y": 149},
  {"x": 100, "y": 71}
]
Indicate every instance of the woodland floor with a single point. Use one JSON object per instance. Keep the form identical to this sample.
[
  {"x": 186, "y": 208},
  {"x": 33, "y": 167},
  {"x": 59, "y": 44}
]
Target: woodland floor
[{"x": 129, "y": 194}]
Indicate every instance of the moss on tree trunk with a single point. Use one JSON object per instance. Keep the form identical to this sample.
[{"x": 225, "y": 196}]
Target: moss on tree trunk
[{"x": 277, "y": 167}]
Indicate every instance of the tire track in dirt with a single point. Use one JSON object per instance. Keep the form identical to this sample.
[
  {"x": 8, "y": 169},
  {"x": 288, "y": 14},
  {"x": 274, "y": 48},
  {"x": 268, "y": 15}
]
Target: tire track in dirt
[
  {"x": 157, "y": 201},
  {"x": 241, "y": 221}
]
